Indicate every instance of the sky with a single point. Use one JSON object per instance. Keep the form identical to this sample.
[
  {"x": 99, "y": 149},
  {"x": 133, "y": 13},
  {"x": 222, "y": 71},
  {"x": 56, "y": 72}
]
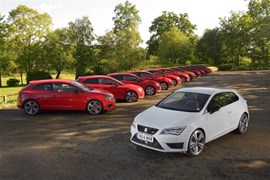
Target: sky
[{"x": 204, "y": 13}]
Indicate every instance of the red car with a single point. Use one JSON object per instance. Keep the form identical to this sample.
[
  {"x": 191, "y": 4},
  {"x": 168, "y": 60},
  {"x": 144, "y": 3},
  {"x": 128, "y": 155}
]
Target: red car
[
  {"x": 195, "y": 71},
  {"x": 175, "y": 79},
  {"x": 184, "y": 77},
  {"x": 150, "y": 87},
  {"x": 189, "y": 73},
  {"x": 121, "y": 91},
  {"x": 63, "y": 95},
  {"x": 163, "y": 81}
]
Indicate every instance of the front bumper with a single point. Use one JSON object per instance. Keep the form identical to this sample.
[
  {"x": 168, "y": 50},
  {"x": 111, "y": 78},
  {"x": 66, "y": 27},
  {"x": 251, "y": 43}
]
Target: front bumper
[{"x": 162, "y": 143}]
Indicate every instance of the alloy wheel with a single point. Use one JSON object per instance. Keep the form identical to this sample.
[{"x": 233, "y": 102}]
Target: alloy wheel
[
  {"x": 150, "y": 90},
  {"x": 243, "y": 124},
  {"x": 94, "y": 107},
  {"x": 164, "y": 85},
  {"x": 196, "y": 142},
  {"x": 131, "y": 96},
  {"x": 31, "y": 107}
]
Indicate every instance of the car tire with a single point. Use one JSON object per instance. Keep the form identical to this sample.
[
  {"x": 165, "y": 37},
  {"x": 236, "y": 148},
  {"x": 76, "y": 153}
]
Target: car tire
[
  {"x": 196, "y": 142},
  {"x": 164, "y": 85},
  {"x": 174, "y": 82},
  {"x": 94, "y": 107},
  {"x": 150, "y": 91},
  {"x": 31, "y": 107},
  {"x": 131, "y": 96},
  {"x": 243, "y": 124},
  {"x": 183, "y": 79}
]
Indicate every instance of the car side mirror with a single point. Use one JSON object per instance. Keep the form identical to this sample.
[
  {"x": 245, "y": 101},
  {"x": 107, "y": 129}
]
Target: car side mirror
[{"x": 213, "y": 108}]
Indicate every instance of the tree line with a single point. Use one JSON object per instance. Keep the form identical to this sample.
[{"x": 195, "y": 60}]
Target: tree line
[{"x": 28, "y": 43}]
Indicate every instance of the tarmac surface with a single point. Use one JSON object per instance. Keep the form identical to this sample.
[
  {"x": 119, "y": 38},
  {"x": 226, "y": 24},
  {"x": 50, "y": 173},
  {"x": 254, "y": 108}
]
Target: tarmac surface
[{"x": 76, "y": 145}]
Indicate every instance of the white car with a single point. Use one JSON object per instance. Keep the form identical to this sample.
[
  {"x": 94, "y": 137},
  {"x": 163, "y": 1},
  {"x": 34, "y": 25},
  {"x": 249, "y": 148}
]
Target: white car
[{"x": 190, "y": 117}]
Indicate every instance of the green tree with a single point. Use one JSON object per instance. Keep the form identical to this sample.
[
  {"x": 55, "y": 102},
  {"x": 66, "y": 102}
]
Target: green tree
[
  {"x": 28, "y": 28},
  {"x": 5, "y": 54},
  {"x": 235, "y": 32},
  {"x": 82, "y": 39},
  {"x": 175, "y": 47},
  {"x": 259, "y": 10},
  {"x": 163, "y": 23},
  {"x": 58, "y": 52},
  {"x": 126, "y": 35},
  {"x": 209, "y": 47}
]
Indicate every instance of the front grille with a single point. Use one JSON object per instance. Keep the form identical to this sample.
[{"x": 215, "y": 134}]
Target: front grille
[
  {"x": 146, "y": 129},
  {"x": 154, "y": 144}
]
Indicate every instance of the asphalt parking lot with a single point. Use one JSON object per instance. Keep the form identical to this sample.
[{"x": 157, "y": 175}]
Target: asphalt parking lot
[{"x": 76, "y": 145}]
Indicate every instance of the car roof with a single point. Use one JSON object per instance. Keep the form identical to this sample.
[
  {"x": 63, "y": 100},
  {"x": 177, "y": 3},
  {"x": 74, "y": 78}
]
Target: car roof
[
  {"x": 94, "y": 76},
  {"x": 206, "y": 90},
  {"x": 51, "y": 81}
]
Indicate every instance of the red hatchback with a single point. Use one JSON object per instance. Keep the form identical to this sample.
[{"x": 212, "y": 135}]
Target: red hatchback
[
  {"x": 121, "y": 91},
  {"x": 163, "y": 81},
  {"x": 63, "y": 95},
  {"x": 150, "y": 87},
  {"x": 175, "y": 79},
  {"x": 184, "y": 77}
]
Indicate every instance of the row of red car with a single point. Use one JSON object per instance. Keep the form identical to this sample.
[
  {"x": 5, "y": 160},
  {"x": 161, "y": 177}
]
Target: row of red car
[{"x": 98, "y": 93}]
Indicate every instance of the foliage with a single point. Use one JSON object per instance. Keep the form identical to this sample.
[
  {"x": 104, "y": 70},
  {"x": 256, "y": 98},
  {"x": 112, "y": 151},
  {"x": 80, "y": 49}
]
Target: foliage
[
  {"x": 175, "y": 47},
  {"x": 28, "y": 28},
  {"x": 81, "y": 39},
  {"x": 38, "y": 75},
  {"x": 12, "y": 82},
  {"x": 164, "y": 23},
  {"x": 58, "y": 52}
]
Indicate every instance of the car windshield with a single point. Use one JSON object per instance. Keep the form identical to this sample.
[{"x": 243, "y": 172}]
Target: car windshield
[
  {"x": 85, "y": 88},
  {"x": 184, "y": 101}
]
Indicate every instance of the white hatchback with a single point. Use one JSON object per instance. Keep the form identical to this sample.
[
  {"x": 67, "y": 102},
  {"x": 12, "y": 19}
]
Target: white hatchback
[{"x": 190, "y": 117}]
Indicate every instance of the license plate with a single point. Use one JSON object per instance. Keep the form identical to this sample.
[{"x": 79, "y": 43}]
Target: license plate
[{"x": 145, "y": 137}]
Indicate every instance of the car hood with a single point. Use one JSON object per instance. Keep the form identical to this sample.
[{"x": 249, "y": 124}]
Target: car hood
[
  {"x": 100, "y": 91},
  {"x": 132, "y": 86},
  {"x": 164, "y": 118}
]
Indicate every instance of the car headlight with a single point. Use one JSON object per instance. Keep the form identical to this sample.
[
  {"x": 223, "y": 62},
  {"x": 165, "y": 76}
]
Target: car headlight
[
  {"x": 108, "y": 98},
  {"x": 157, "y": 84},
  {"x": 140, "y": 89},
  {"x": 178, "y": 78},
  {"x": 173, "y": 131},
  {"x": 170, "y": 80}
]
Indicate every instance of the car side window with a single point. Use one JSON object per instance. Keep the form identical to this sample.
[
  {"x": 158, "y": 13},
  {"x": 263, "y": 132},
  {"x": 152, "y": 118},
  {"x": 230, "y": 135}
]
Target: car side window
[
  {"x": 218, "y": 100},
  {"x": 106, "y": 81},
  {"x": 91, "y": 81},
  {"x": 130, "y": 78},
  {"x": 223, "y": 99},
  {"x": 231, "y": 97},
  {"x": 62, "y": 87},
  {"x": 44, "y": 87},
  {"x": 137, "y": 74},
  {"x": 118, "y": 77},
  {"x": 143, "y": 74}
]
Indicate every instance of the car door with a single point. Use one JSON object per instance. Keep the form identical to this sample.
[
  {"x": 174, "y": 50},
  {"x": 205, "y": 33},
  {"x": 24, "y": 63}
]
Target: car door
[
  {"x": 45, "y": 95},
  {"x": 111, "y": 86},
  {"x": 128, "y": 79},
  {"x": 217, "y": 123},
  {"x": 68, "y": 97},
  {"x": 93, "y": 83}
]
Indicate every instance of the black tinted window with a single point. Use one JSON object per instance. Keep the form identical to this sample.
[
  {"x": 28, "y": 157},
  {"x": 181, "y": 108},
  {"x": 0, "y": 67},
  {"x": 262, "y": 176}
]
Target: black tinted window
[
  {"x": 143, "y": 74},
  {"x": 118, "y": 77},
  {"x": 44, "y": 87},
  {"x": 223, "y": 99},
  {"x": 130, "y": 78},
  {"x": 137, "y": 74},
  {"x": 106, "y": 81},
  {"x": 91, "y": 81}
]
